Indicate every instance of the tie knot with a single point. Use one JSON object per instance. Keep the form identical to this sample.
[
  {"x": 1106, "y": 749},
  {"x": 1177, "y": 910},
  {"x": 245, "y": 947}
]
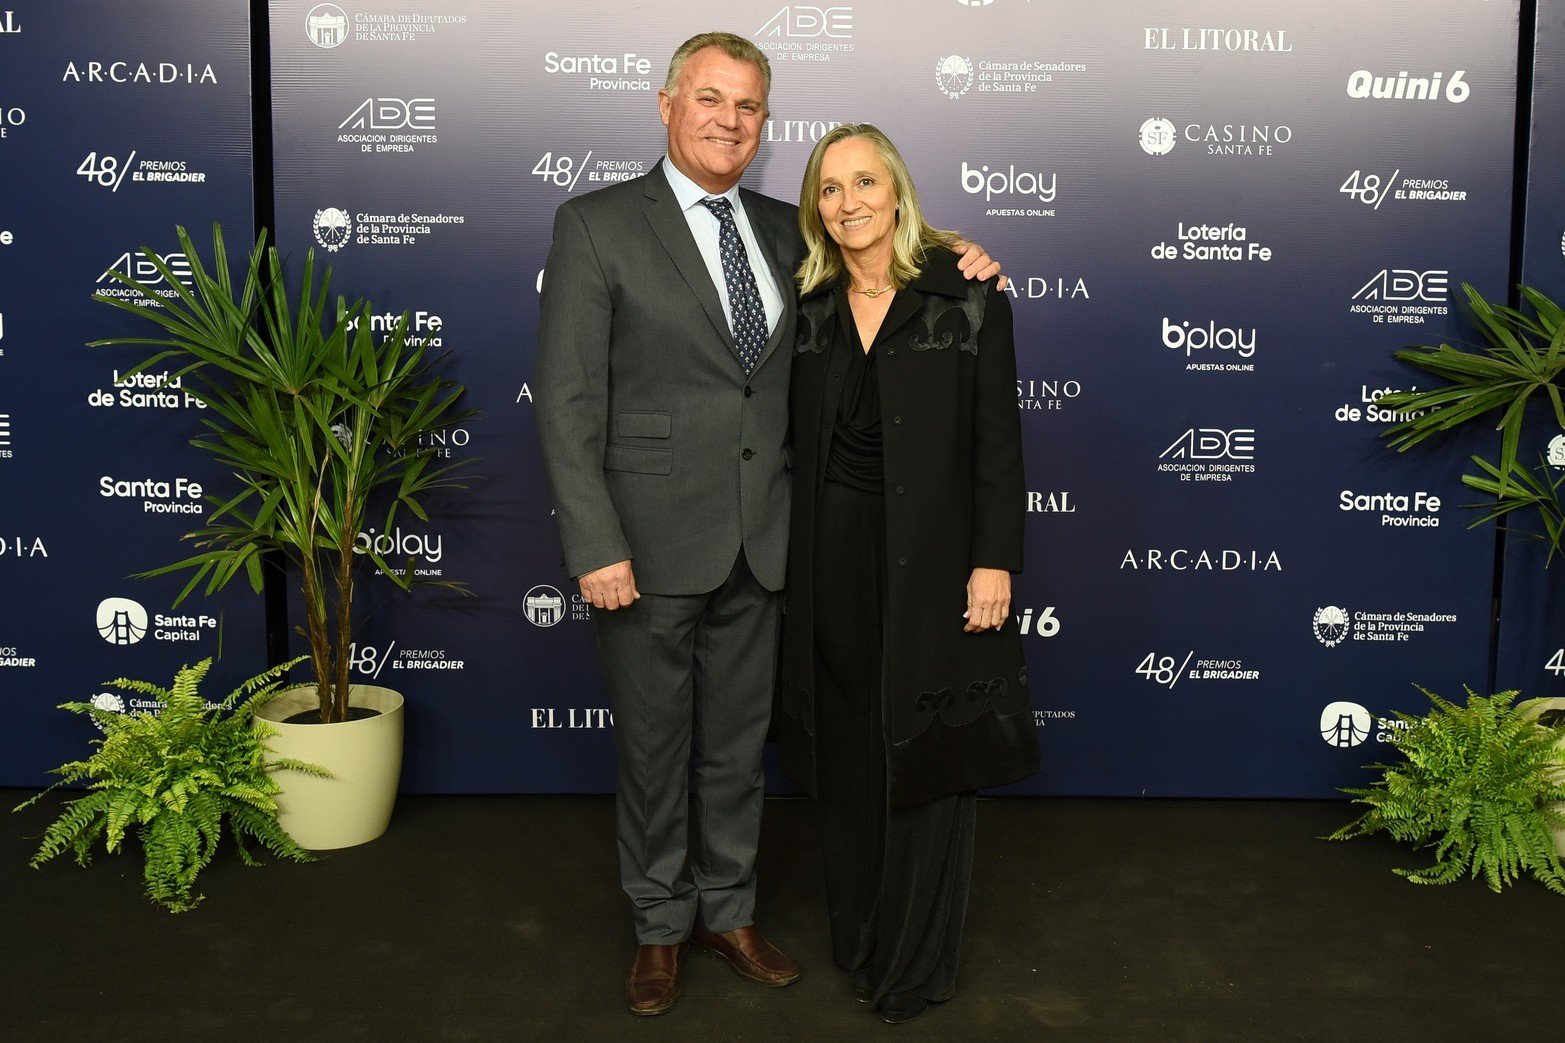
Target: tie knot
[{"x": 722, "y": 208}]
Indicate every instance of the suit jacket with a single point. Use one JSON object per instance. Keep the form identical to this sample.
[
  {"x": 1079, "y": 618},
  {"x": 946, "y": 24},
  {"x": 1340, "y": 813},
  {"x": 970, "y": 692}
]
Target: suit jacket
[{"x": 657, "y": 445}]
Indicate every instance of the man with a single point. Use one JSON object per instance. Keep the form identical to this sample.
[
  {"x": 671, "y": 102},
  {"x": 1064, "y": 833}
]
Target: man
[{"x": 661, "y": 390}]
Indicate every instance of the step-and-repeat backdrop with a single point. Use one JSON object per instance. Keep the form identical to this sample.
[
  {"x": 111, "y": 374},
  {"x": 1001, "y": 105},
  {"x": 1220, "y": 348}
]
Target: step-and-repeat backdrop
[
  {"x": 1220, "y": 219},
  {"x": 117, "y": 123}
]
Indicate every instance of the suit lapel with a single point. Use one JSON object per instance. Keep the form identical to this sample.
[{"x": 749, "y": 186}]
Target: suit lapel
[{"x": 673, "y": 231}]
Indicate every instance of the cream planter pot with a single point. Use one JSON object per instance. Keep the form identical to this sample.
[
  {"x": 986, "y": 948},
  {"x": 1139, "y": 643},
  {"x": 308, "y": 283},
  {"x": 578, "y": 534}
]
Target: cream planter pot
[
  {"x": 1533, "y": 708},
  {"x": 364, "y": 757}
]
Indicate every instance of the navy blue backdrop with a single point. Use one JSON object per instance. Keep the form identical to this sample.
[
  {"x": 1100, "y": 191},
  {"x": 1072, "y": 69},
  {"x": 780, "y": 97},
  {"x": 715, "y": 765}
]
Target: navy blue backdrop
[
  {"x": 1220, "y": 220},
  {"x": 115, "y": 125}
]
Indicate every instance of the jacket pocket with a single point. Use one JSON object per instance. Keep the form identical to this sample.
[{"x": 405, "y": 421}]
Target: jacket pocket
[
  {"x": 637, "y": 460},
  {"x": 643, "y": 425}
]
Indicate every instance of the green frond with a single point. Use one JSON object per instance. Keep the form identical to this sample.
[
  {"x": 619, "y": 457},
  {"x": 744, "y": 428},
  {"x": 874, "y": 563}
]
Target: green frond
[
  {"x": 1521, "y": 360},
  {"x": 291, "y": 764},
  {"x": 78, "y": 826}
]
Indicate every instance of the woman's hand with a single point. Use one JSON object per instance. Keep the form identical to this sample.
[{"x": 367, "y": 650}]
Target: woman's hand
[{"x": 988, "y": 600}]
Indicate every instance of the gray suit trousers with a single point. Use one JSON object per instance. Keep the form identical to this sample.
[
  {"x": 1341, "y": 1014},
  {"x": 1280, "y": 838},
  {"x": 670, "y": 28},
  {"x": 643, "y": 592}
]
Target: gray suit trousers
[{"x": 690, "y": 680}]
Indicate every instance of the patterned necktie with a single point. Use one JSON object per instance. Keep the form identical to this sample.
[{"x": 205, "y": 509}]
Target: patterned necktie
[{"x": 744, "y": 300}]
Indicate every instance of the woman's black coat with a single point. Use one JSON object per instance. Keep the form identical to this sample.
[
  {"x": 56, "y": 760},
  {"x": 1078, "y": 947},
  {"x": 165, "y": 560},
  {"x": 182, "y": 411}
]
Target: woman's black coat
[{"x": 956, "y": 709}]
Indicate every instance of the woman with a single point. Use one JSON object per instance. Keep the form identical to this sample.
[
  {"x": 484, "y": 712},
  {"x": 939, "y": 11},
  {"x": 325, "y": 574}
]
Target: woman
[{"x": 904, "y": 689}]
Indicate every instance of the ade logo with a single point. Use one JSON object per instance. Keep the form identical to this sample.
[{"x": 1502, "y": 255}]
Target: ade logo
[
  {"x": 1212, "y": 443},
  {"x": 392, "y": 114},
  {"x": 799, "y": 20},
  {"x": 1405, "y": 284}
]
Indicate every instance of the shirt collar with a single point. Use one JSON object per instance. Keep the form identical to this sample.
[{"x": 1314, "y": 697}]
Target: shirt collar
[{"x": 687, "y": 193}]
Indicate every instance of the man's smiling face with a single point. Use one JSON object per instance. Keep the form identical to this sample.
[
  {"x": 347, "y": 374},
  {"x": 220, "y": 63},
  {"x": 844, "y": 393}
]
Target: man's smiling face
[{"x": 714, "y": 120}]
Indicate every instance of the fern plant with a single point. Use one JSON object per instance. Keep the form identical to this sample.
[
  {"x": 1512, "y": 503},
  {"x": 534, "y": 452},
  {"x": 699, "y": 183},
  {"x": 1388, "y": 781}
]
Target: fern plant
[
  {"x": 1479, "y": 785},
  {"x": 172, "y": 777}
]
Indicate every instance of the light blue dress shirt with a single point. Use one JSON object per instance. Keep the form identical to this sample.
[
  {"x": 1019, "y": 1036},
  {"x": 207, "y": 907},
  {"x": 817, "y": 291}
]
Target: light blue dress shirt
[{"x": 705, "y": 227}]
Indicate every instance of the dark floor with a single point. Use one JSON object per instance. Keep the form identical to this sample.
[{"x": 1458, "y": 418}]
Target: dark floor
[{"x": 500, "y": 918}]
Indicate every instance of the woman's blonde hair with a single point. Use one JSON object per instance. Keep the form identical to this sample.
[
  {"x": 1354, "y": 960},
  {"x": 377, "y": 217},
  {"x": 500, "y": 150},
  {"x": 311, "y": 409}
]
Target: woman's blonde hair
[{"x": 909, "y": 241}]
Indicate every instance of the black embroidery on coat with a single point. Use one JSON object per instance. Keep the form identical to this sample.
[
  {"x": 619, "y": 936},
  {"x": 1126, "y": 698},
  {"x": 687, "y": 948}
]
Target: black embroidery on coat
[
  {"x": 798, "y": 701},
  {"x": 814, "y": 325},
  {"x": 940, "y": 323},
  {"x": 995, "y": 695}
]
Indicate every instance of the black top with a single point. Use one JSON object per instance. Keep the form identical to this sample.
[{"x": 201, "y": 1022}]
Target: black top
[{"x": 855, "y": 459}]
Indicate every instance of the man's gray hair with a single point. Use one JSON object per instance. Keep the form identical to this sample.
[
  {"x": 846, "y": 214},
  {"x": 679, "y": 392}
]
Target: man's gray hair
[{"x": 736, "y": 47}]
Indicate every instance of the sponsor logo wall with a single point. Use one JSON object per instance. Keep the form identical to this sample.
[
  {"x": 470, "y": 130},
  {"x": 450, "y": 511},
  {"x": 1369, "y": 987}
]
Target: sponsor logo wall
[
  {"x": 117, "y": 122},
  {"x": 1219, "y": 219},
  {"x": 1219, "y": 223}
]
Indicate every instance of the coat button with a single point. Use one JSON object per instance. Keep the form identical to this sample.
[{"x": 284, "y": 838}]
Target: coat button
[
  {"x": 899, "y": 490},
  {"x": 747, "y": 453},
  {"x": 891, "y": 351},
  {"x": 896, "y": 421},
  {"x": 748, "y": 391},
  {"x": 901, "y": 561}
]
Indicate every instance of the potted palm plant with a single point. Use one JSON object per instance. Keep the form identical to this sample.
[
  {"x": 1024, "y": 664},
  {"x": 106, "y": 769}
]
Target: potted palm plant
[{"x": 324, "y": 427}]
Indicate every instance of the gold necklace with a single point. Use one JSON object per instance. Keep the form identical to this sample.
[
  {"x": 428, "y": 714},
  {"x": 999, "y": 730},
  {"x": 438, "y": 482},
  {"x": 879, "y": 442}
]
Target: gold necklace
[{"x": 871, "y": 294}]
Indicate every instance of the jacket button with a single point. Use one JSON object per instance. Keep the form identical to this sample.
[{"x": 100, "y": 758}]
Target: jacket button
[
  {"x": 896, "y": 421},
  {"x": 899, "y": 490},
  {"x": 891, "y": 351},
  {"x": 748, "y": 391},
  {"x": 747, "y": 453},
  {"x": 901, "y": 561}
]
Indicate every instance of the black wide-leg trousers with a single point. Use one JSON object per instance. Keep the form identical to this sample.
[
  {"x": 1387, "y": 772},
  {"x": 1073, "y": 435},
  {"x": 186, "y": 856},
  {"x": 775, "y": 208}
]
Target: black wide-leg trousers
[{"x": 896, "y": 881}]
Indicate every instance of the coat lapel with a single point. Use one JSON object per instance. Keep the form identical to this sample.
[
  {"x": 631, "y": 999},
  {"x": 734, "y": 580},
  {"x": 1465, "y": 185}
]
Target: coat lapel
[
  {"x": 903, "y": 307},
  {"x": 831, "y": 390},
  {"x": 673, "y": 231}
]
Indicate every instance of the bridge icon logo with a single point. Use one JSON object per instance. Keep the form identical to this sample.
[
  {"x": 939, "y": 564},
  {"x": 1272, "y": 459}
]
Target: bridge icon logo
[
  {"x": 121, "y": 621},
  {"x": 1345, "y": 724}
]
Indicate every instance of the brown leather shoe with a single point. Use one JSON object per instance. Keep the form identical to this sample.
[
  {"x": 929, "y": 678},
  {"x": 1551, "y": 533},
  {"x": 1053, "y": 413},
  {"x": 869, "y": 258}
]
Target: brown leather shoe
[
  {"x": 654, "y": 979},
  {"x": 751, "y": 955}
]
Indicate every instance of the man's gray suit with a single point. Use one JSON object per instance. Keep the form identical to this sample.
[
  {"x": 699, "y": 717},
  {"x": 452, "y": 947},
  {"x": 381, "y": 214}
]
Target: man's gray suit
[{"x": 661, "y": 450}]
